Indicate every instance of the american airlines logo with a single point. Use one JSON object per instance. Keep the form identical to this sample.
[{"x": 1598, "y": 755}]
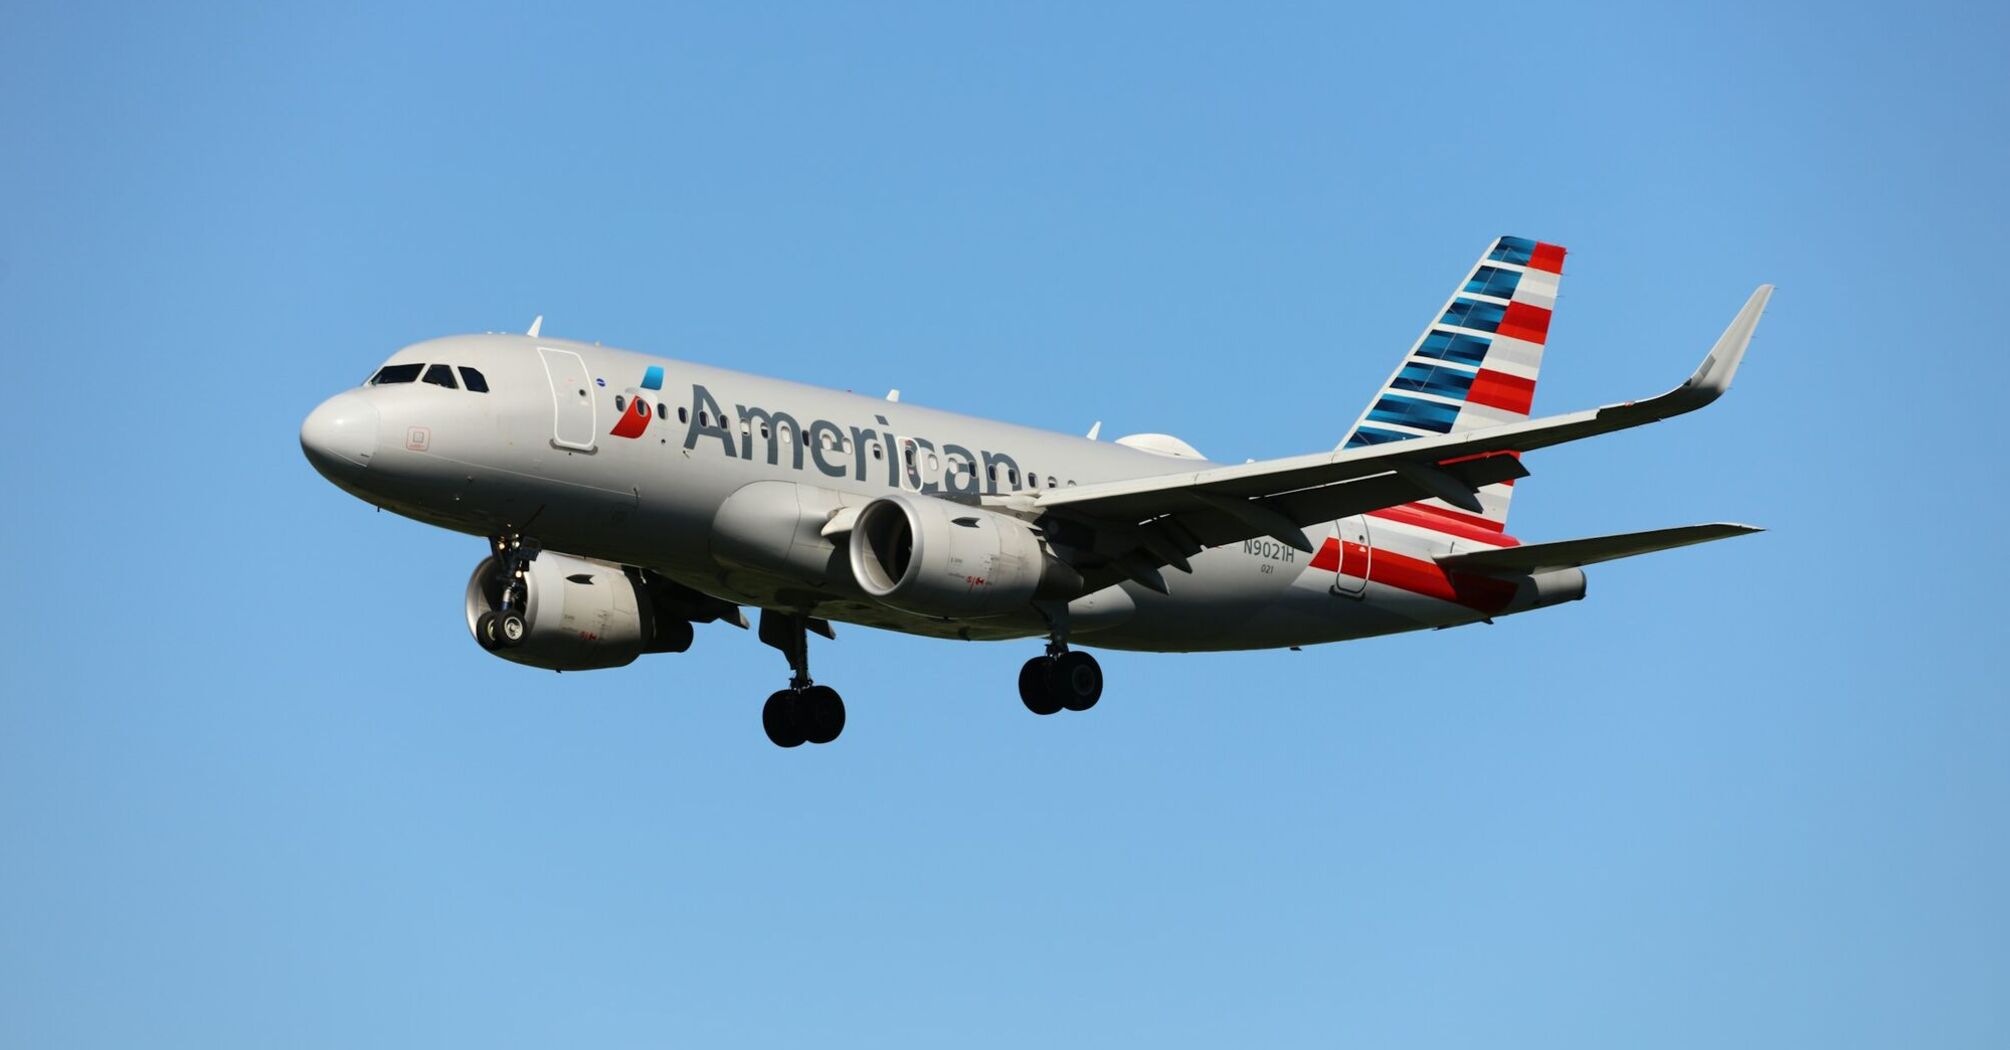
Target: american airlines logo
[
  {"x": 859, "y": 453},
  {"x": 635, "y": 418}
]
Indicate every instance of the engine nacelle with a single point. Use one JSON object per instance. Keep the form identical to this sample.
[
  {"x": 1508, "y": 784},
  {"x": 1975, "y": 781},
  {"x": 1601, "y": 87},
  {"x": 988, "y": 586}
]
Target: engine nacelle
[
  {"x": 935, "y": 558},
  {"x": 579, "y": 615}
]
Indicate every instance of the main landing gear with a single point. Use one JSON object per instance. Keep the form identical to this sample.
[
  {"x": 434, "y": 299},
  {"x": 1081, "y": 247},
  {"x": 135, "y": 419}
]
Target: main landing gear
[
  {"x": 505, "y": 627},
  {"x": 808, "y": 713},
  {"x": 804, "y": 713},
  {"x": 1063, "y": 678}
]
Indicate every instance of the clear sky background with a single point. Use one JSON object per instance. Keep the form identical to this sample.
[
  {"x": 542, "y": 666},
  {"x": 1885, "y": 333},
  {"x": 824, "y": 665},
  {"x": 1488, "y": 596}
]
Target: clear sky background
[{"x": 259, "y": 788}]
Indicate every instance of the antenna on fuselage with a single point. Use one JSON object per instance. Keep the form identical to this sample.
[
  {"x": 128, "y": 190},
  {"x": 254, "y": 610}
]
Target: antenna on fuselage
[
  {"x": 893, "y": 395},
  {"x": 1096, "y": 429},
  {"x": 535, "y": 325}
]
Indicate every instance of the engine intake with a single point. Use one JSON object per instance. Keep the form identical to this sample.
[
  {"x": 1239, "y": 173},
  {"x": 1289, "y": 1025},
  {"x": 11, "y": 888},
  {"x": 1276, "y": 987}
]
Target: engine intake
[
  {"x": 935, "y": 558},
  {"x": 579, "y": 614}
]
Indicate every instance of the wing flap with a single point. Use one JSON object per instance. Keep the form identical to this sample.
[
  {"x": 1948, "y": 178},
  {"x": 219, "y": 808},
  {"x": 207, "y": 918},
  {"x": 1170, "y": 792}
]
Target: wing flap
[{"x": 1572, "y": 554}]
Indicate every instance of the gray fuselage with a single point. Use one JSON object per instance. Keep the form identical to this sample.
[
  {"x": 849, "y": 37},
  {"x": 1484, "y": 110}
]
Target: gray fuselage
[{"x": 556, "y": 448}]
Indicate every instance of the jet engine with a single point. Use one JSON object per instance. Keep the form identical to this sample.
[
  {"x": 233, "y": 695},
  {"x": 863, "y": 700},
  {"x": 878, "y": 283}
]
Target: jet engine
[
  {"x": 577, "y": 614},
  {"x": 932, "y": 557}
]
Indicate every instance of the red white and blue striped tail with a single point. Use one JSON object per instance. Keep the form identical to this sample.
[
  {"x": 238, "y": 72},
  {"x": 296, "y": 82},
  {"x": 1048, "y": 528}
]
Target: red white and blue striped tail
[{"x": 1475, "y": 366}]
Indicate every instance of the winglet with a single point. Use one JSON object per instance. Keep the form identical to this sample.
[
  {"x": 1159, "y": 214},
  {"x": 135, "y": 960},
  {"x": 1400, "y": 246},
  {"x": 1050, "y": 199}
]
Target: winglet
[
  {"x": 535, "y": 325},
  {"x": 1713, "y": 376}
]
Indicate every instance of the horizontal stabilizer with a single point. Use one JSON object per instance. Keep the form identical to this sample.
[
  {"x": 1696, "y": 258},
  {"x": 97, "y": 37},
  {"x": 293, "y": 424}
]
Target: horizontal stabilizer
[{"x": 1571, "y": 554}]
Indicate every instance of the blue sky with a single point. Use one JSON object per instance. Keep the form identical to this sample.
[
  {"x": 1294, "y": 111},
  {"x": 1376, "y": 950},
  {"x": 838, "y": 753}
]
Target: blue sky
[{"x": 257, "y": 786}]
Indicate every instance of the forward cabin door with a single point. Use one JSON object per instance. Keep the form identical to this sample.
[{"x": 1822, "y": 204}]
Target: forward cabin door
[
  {"x": 572, "y": 414},
  {"x": 1356, "y": 552}
]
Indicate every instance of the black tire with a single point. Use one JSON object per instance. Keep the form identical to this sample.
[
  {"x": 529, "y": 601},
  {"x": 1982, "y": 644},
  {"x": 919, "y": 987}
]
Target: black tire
[
  {"x": 485, "y": 631},
  {"x": 820, "y": 711},
  {"x": 1076, "y": 680},
  {"x": 511, "y": 630},
  {"x": 1034, "y": 692},
  {"x": 781, "y": 717}
]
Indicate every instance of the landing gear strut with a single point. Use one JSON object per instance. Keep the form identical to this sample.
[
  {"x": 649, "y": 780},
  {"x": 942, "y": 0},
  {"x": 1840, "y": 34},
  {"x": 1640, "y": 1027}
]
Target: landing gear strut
[
  {"x": 506, "y": 626},
  {"x": 804, "y": 713},
  {"x": 1063, "y": 678}
]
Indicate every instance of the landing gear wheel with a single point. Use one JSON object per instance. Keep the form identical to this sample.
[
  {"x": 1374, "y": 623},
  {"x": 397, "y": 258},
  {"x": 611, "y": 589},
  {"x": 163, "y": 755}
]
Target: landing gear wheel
[
  {"x": 820, "y": 713},
  {"x": 781, "y": 716},
  {"x": 510, "y": 629},
  {"x": 485, "y": 631},
  {"x": 1033, "y": 689},
  {"x": 1075, "y": 680}
]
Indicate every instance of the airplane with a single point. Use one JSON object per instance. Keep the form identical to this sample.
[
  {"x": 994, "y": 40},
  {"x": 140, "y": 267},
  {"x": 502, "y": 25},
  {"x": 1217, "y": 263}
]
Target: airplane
[{"x": 627, "y": 497}]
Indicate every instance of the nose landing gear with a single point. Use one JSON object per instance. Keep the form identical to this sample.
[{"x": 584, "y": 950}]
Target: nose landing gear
[
  {"x": 505, "y": 627},
  {"x": 804, "y": 713},
  {"x": 501, "y": 630}
]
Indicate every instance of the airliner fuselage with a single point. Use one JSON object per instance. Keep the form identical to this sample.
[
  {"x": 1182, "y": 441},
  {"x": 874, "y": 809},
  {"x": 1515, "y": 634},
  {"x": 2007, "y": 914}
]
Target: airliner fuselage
[{"x": 627, "y": 496}]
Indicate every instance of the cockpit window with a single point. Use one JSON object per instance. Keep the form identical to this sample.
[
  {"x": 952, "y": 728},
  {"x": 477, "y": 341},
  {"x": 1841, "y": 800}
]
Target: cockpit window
[
  {"x": 441, "y": 375},
  {"x": 396, "y": 374},
  {"x": 473, "y": 380}
]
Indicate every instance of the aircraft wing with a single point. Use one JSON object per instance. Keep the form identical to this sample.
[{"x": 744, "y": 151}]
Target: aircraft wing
[{"x": 1163, "y": 519}]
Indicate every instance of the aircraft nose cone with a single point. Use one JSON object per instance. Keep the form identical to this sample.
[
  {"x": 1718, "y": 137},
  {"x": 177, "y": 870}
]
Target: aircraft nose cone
[{"x": 340, "y": 436}]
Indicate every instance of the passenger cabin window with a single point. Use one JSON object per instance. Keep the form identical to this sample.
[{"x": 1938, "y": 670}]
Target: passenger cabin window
[
  {"x": 441, "y": 375},
  {"x": 397, "y": 374},
  {"x": 473, "y": 380}
]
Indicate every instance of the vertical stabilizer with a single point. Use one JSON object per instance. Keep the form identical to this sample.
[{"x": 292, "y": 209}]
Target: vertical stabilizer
[{"x": 1476, "y": 365}]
